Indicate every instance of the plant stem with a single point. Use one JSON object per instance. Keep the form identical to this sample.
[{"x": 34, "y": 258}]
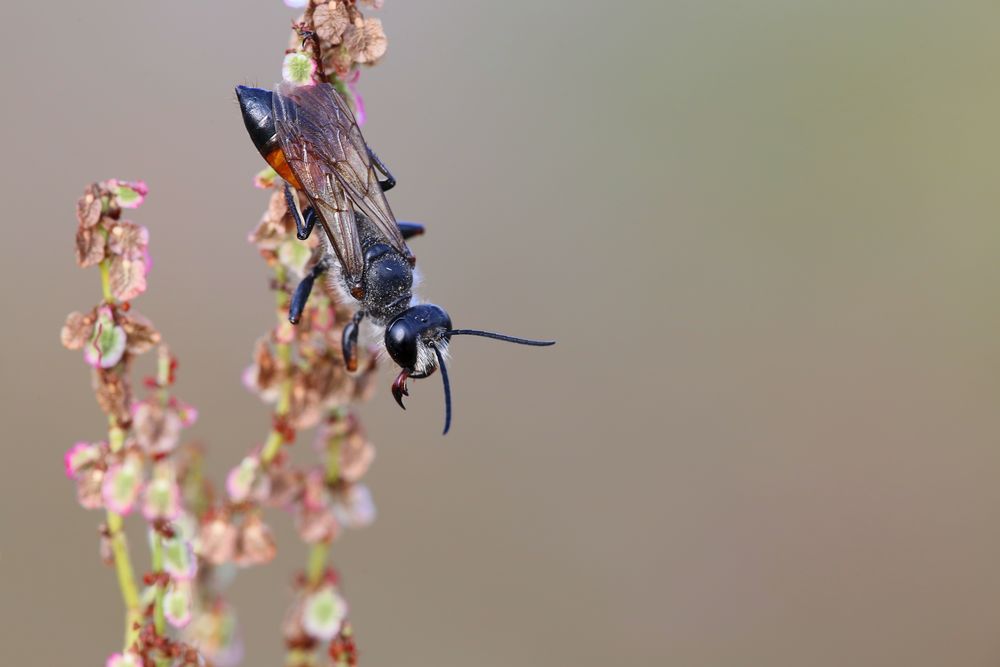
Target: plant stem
[
  {"x": 159, "y": 622},
  {"x": 333, "y": 461},
  {"x": 163, "y": 375},
  {"x": 105, "y": 267},
  {"x": 317, "y": 563},
  {"x": 126, "y": 576},
  {"x": 116, "y": 534},
  {"x": 316, "y": 567},
  {"x": 119, "y": 549},
  {"x": 283, "y": 352}
]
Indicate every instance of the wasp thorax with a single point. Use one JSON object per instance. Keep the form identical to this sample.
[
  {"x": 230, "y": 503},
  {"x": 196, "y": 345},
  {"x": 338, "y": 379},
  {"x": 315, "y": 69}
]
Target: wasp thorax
[
  {"x": 408, "y": 336},
  {"x": 388, "y": 282}
]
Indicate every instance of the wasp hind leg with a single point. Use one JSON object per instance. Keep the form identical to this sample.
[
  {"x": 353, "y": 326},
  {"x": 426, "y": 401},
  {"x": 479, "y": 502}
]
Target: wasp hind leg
[
  {"x": 303, "y": 291},
  {"x": 304, "y": 222},
  {"x": 349, "y": 341},
  {"x": 390, "y": 181},
  {"x": 410, "y": 229}
]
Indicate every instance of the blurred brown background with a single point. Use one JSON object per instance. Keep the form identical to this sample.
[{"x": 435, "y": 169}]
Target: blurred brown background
[{"x": 764, "y": 233}]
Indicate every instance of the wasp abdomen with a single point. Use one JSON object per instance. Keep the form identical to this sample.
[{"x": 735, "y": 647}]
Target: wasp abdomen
[{"x": 256, "y": 105}]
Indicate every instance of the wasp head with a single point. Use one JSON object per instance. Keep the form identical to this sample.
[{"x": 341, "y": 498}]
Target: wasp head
[
  {"x": 417, "y": 340},
  {"x": 413, "y": 336}
]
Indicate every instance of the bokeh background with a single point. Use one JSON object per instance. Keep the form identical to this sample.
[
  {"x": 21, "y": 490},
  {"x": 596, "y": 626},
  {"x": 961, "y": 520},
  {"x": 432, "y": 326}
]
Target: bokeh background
[{"x": 764, "y": 233}]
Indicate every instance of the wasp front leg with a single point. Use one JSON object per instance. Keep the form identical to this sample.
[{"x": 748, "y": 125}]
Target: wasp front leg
[
  {"x": 304, "y": 222},
  {"x": 349, "y": 341},
  {"x": 390, "y": 182},
  {"x": 303, "y": 291}
]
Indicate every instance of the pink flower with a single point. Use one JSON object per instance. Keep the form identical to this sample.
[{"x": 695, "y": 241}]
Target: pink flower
[
  {"x": 264, "y": 179},
  {"x": 177, "y": 604},
  {"x": 79, "y": 457},
  {"x": 315, "y": 494},
  {"x": 121, "y": 486},
  {"x": 245, "y": 480},
  {"x": 255, "y": 542},
  {"x": 216, "y": 633},
  {"x": 188, "y": 413},
  {"x": 354, "y": 507},
  {"x": 178, "y": 558},
  {"x": 217, "y": 540},
  {"x": 88, "y": 488},
  {"x": 162, "y": 500},
  {"x": 316, "y": 525},
  {"x": 128, "y": 194},
  {"x": 123, "y": 660},
  {"x": 107, "y": 343}
]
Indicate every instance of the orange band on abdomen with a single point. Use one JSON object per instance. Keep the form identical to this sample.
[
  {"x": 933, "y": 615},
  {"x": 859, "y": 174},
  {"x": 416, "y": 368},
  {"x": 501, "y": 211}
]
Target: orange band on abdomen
[{"x": 276, "y": 159}]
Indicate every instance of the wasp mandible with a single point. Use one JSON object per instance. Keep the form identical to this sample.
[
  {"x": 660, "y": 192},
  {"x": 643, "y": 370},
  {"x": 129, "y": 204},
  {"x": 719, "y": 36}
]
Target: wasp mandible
[{"x": 308, "y": 134}]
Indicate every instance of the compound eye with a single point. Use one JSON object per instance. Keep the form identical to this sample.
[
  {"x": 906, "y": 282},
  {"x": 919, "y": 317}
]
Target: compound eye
[{"x": 401, "y": 342}]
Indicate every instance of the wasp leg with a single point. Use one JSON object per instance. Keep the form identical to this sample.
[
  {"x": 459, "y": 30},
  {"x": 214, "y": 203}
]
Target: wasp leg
[
  {"x": 349, "y": 341},
  {"x": 390, "y": 182},
  {"x": 410, "y": 229},
  {"x": 305, "y": 222},
  {"x": 302, "y": 292}
]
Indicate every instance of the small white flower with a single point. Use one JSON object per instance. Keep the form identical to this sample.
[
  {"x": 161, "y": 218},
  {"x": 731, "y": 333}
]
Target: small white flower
[
  {"x": 323, "y": 614},
  {"x": 298, "y": 68}
]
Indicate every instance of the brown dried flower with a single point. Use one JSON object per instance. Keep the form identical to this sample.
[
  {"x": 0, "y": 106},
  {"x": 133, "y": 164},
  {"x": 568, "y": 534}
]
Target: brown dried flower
[
  {"x": 254, "y": 543},
  {"x": 88, "y": 207},
  {"x": 285, "y": 485},
  {"x": 128, "y": 277},
  {"x": 330, "y": 20},
  {"x": 128, "y": 239},
  {"x": 365, "y": 40},
  {"x": 261, "y": 376},
  {"x": 113, "y": 392},
  {"x": 275, "y": 225},
  {"x": 157, "y": 428},
  {"x": 88, "y": 488},
  {"x": 140, "y": 334},
  {"x": 317, "y": 525},
  {"x": 356, "y": 456},
  {"x": 217, "y": 540},
  {"x": 78, "y": 329},
  {"x": 292, "y": 629},
  {"x": 89, "y": 246}
]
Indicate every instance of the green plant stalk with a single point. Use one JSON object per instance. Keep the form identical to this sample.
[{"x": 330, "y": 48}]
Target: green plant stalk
[
  {"x": 163, "y": 377},
  {"x": 159, "y": 620},
  {"x": 120, "y": 551},
  {"x": 126, "y": 577},
  {"x": 284, "y": 354},
  {"x": 316, "y": 567},
  {"x": 105, "y": 268},
  {"x": 115, "y": 522},
  {"x": 317, "y": 563}
]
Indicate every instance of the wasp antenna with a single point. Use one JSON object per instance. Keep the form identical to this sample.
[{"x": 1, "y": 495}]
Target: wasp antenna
[
  {"x": 498, "y": 336},
  {"x": 447, "y": 391}
]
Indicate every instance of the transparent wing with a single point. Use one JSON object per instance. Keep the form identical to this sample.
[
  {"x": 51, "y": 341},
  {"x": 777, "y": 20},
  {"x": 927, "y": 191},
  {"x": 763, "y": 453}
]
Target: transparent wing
[
  {"x": 304, "y": 140},
  {"x": 324, "y": 123}
]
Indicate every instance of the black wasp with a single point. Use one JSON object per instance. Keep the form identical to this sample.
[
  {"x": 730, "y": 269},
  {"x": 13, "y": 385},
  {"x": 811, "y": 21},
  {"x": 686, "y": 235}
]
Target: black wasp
[{"x": 308, "y": 134}]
